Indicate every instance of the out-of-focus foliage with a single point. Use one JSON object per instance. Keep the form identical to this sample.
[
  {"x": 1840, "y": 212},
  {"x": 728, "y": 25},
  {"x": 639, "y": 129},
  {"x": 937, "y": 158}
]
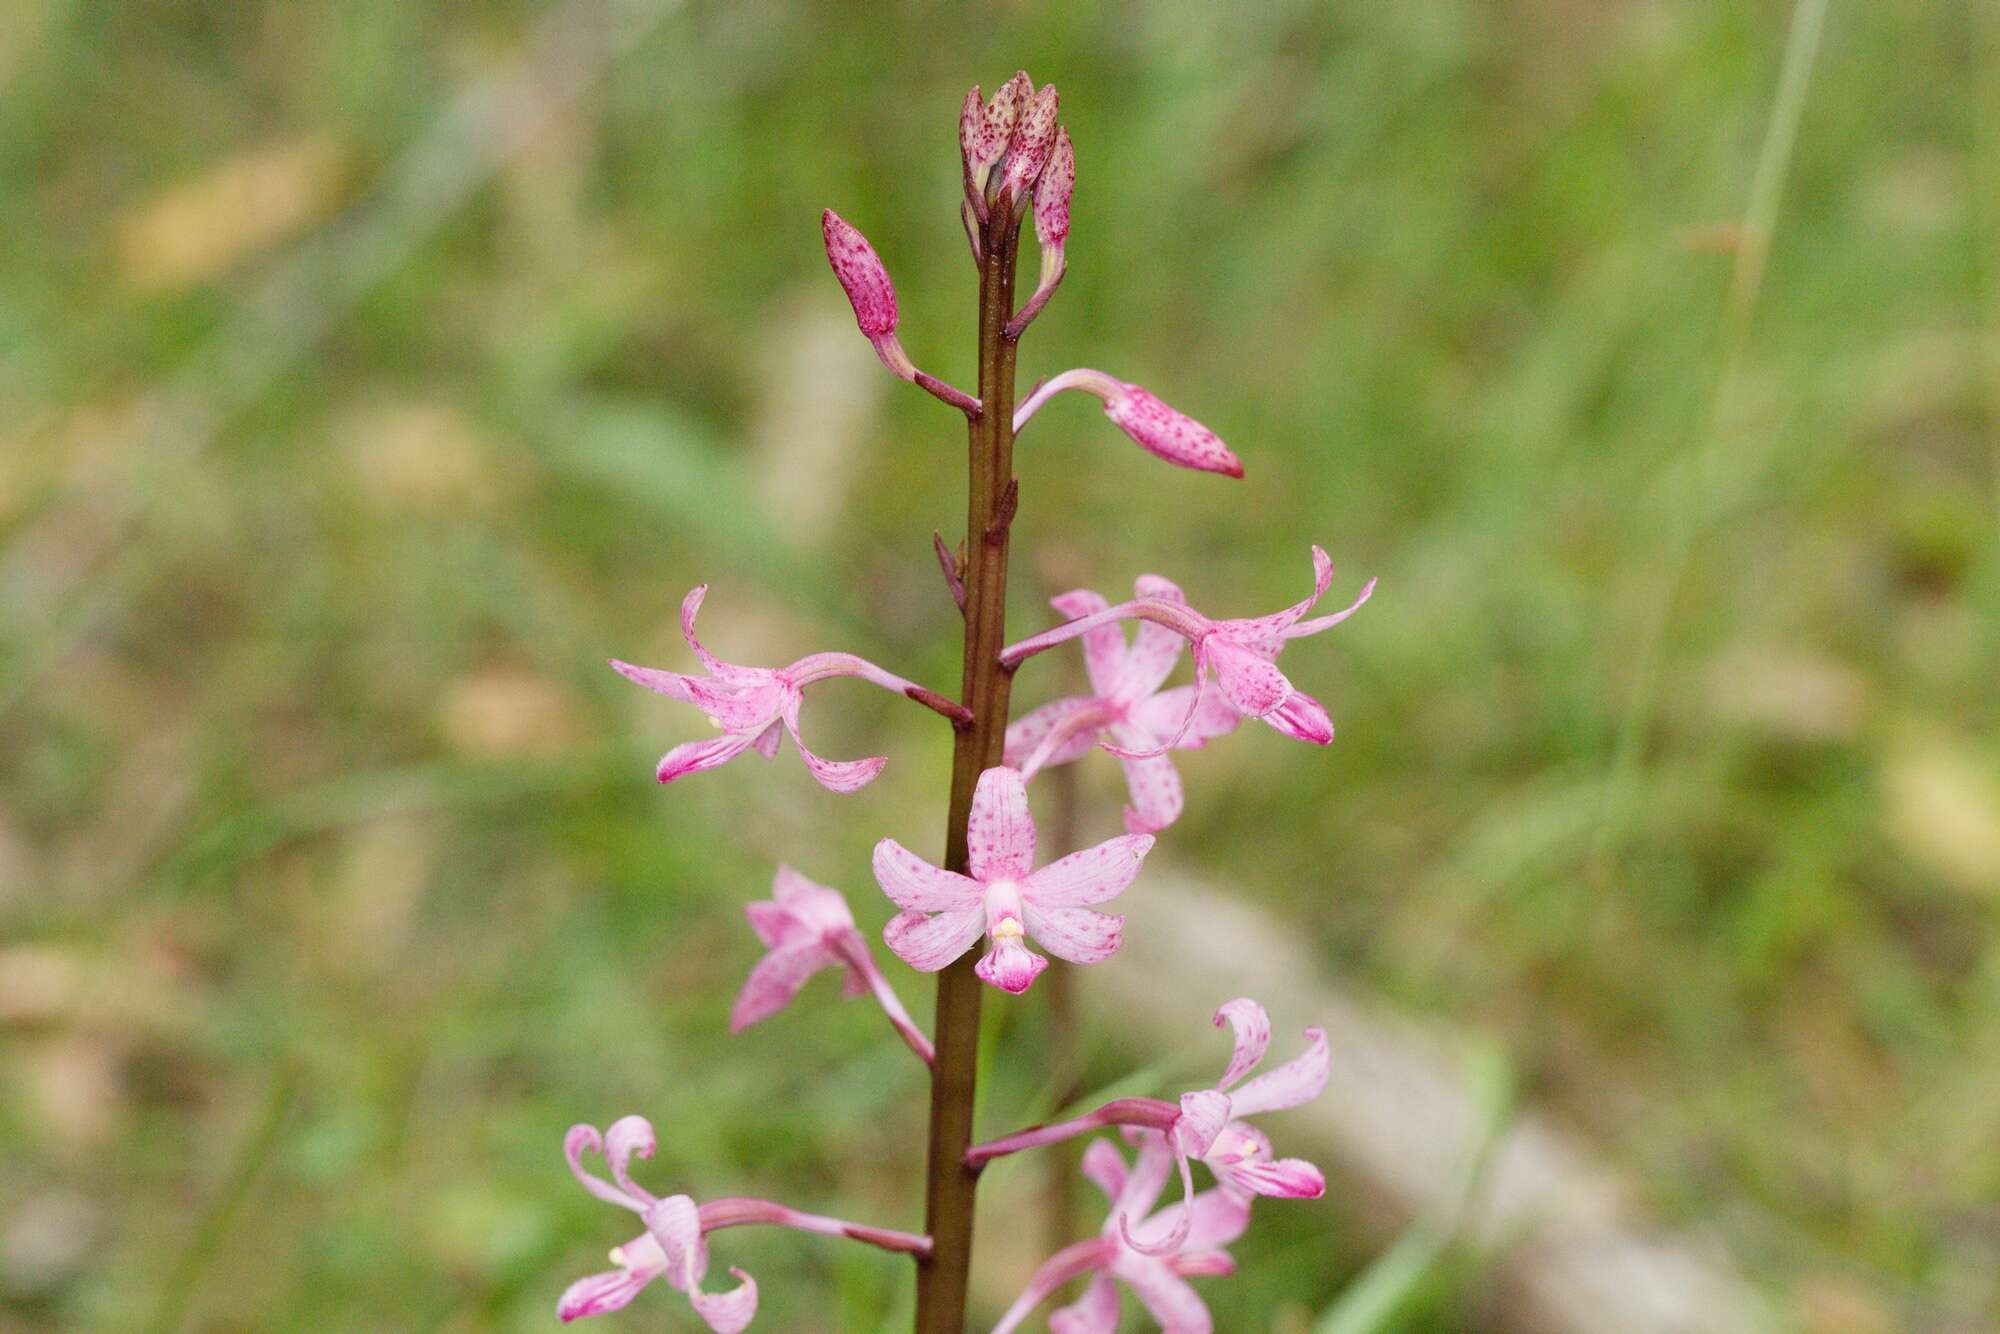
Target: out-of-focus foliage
[{"x": 332, "y": 880}]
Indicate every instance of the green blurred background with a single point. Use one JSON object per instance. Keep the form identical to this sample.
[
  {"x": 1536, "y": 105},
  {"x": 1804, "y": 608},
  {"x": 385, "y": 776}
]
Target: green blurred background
[{"x": 370, "y": 371}]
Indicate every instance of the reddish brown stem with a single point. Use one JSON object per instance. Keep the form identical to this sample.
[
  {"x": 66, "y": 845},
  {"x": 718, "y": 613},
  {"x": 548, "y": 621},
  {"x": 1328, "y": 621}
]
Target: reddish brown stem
[{"x": 950, "y": 1186}]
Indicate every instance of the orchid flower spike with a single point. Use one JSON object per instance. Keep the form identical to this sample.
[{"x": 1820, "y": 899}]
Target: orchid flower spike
[
  {"x": 1210, "y": 1126},
  {"x": 751, "y": 704},
  {"x": 1153, "y": 426},
  {"x": 1241, "y": 654},
  {"x": 1004, "y": 897},
  {"x": 671, "y": 1247},
  {"x": 1127, "y": 713},
  {"x": 1205, "y": 1224},
  {"x": 807, "y": 927}
]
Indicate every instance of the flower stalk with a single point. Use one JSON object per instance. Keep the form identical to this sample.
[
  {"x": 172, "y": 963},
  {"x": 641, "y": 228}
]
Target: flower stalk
[{"x": 991, "y": 497}]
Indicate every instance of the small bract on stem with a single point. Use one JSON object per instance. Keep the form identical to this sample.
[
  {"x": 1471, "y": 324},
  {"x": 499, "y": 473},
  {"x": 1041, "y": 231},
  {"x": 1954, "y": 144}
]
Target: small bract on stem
[{"x": 1017, "y": 161}]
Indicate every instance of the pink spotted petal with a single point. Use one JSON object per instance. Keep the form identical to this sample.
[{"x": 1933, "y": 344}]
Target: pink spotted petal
[
  {"x": 599, "y": 1293},
  {"x": 1034, "y": 140},
  {"x": 821, "y": 909},
  {"x": 1251, "y": 682},
  {"x": 1165, "y": 1232},
  {"x": 833, "y": 775},
  {"x": 775, "y": 980},
  {"x": 1103, "y": 646},
  {"x": 1096, "y": 1312},
  {"x": 1000, "y": 839},
  {"x": 1090, "y": 876},
  {"x": 1105, "y": 1166},
  {"x": 861, "y": 275},
  {"x": 1302, "y": 718},
  {"x": 629, "y": 1137},
  {"x": 1026, "y": 734},
  {"x": 1011, "y": 966},
  {"x": 913, "y": 883},
  {"x": 1162, "y": 716},
  {"x": 1286, "y": 1178},
  {"x": 674, "y": 685},
  {"x": 1252, "y": 1029},
  {"x": 928, "y": 943},
  {"x": 1166, "y": 1297},
  {"x": 1165, "y": 433},
  {"x": 693, "y": 757},
  {"x": 1157, "y": 797},
  {"x": 675, "y": 1227},
  {"x": 1298, "y": 1081},
  {"x": 1266, "y": 630},
  {"x": 997, "y": 120},
  {"x": 583, "y": 1139},
  {"x": 773, "y": 924},
  {"x": 1076, "y": 934},
  {"x": 1219, "y": 1217},
  {"x": 1155, "y": 650},
  {"x": 766, "y": 743}
]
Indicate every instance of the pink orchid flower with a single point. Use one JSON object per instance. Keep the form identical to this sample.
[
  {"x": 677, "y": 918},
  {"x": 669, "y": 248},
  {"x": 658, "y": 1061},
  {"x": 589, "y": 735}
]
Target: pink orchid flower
[
  {"x": 1156, "y": 428},
  {"x": 1004, "y": 897},
  {"x": 1158, "y": 1277},
  {"x": 808, "y": 927},
  {"x": 674, "y": 1245},
  {"x": 1241, "y": 655},
  {"x": 1128, "y": 714},
  {"x": 751, "y": 704},
  {"x": 671, "y": 1247},
  {"x": 1208, "y": 1124}
]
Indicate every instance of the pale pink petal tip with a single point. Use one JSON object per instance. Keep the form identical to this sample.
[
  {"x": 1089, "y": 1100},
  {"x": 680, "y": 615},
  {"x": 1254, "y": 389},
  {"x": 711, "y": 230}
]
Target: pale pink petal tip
[
  {"x": 861, "y": 275},
  {"x": 1168, "y": 434}
]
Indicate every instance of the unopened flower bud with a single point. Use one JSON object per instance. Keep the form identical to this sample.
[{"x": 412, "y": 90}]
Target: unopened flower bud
[
  {"x": 1052, "y": 194},
  {"x": 996, "y": 127},
  {"x": 861, "y": 275},
  {"x": 1156, "y": 428},
  {"x": 1034, "y": 139},
  {"x": 968, "y": 123}
]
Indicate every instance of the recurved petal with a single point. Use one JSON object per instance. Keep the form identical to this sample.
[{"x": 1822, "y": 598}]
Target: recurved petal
[
  {"x": 833, "y": 775},
  {"x": 1251, "y": 1026},
  {"x": 1319, "y": 623},
  {"x": 774, "y": 980},
  {"x": 1286, "y": 1178},
  {"x": 1168, "y": 434},
  {"x": 1076, "y": 934},
  {"x": 1000, "y": 838},
  {"x": 1096, "y": 1312},
  {"x": 583, "y": 1139},
  {"x": 1302, "y": 718},
  {"x": 599, "y": 1293},
  {"x": 766, "y": 743},
  {"x": 1010, "y": 965},
  {"x": 928, "y": 943},
  {"x": 693, "y": 757},
  {"x": 728, "y": 1312},
  {"x": 629, "y": 1137},
  {"x": 1279, "y": 621},
  {"x": 1297, "y": 1081},
  {"x": 1090, "y": 876},
  {"x": 717, "y": 668},
  {"x": 915, "y": 884}
]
